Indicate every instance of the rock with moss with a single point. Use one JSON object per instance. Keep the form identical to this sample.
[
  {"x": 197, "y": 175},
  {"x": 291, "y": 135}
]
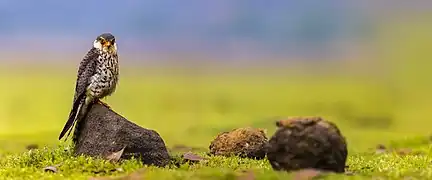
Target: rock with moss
[
  {"x": 243, "y": 142},
  {"x": 104, "y": 132},
  {"x": 307, "y": 142}
]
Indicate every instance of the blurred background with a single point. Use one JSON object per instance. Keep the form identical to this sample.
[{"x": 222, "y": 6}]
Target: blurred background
[{"x": 192, "y": 69}]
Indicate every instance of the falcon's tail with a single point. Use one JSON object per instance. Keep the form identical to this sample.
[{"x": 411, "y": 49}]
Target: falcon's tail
[{"x": 79, "y": 109}]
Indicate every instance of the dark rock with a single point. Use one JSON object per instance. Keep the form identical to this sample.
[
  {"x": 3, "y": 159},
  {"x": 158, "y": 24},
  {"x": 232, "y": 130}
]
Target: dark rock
[
  {"x": 103, "y": 132},
  {"x": 307, "y": 142},
  {"x": 242, "y": 142}
]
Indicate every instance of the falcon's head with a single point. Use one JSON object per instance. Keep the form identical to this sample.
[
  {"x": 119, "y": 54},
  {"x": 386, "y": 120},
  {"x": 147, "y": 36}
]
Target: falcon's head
[{"x": 106, "y": 42}]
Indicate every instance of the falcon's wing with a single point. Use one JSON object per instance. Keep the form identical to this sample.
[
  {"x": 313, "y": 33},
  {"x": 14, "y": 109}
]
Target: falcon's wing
[{"x": 86, "y": 70}]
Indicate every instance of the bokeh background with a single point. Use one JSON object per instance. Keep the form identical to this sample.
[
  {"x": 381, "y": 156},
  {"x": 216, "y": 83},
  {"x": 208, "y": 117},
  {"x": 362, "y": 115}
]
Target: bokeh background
[{"x": 192, "y": 69}]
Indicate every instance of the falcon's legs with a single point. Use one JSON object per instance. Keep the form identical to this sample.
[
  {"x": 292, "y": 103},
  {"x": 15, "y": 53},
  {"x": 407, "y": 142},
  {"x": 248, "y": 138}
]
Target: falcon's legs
[{"x": 103, "y": 103}]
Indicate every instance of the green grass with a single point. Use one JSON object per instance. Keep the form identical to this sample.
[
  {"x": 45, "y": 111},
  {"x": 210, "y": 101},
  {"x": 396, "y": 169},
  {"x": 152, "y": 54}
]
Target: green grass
[{"x": 364, "y": 165}]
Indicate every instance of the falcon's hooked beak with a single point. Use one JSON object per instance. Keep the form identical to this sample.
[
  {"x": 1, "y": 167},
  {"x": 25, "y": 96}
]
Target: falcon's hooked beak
[{"x": 106, "y": 45}]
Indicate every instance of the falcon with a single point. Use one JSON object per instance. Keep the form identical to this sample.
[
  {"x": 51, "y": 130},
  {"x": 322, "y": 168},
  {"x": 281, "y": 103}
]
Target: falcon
[{"x": 97, "y": 78}]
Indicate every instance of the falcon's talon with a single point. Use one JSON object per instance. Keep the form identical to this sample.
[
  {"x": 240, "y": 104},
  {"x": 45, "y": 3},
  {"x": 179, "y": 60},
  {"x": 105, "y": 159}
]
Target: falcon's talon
[{"x": 103, "y": 104}]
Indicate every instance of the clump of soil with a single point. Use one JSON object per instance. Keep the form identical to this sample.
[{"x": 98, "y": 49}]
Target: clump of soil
[
  {"x": 243, "y": 142},
  {"x": 307, "y": 142}
]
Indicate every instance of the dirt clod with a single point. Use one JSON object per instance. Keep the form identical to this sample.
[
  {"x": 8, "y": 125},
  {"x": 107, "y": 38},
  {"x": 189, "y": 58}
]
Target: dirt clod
[
  {"x": 307, "y": 142},
  {"x": 243, "y": 142}
]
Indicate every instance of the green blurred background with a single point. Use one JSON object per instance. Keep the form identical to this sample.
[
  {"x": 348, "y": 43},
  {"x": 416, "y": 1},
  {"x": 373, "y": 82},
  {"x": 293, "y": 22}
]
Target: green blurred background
[{"x": 376, "y": 92}]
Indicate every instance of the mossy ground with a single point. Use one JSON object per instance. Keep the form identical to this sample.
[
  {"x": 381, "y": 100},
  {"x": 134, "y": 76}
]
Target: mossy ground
[{"x": 30, "y": 165}]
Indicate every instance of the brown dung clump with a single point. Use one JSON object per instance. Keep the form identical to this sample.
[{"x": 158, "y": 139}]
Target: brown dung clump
[
  {"x": 307, "y": 142},
  {"x": 243, "y": 142}
]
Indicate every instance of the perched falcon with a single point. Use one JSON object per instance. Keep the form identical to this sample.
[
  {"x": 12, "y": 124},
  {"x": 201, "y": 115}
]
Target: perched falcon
[{"x": 97, "y": 78}]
